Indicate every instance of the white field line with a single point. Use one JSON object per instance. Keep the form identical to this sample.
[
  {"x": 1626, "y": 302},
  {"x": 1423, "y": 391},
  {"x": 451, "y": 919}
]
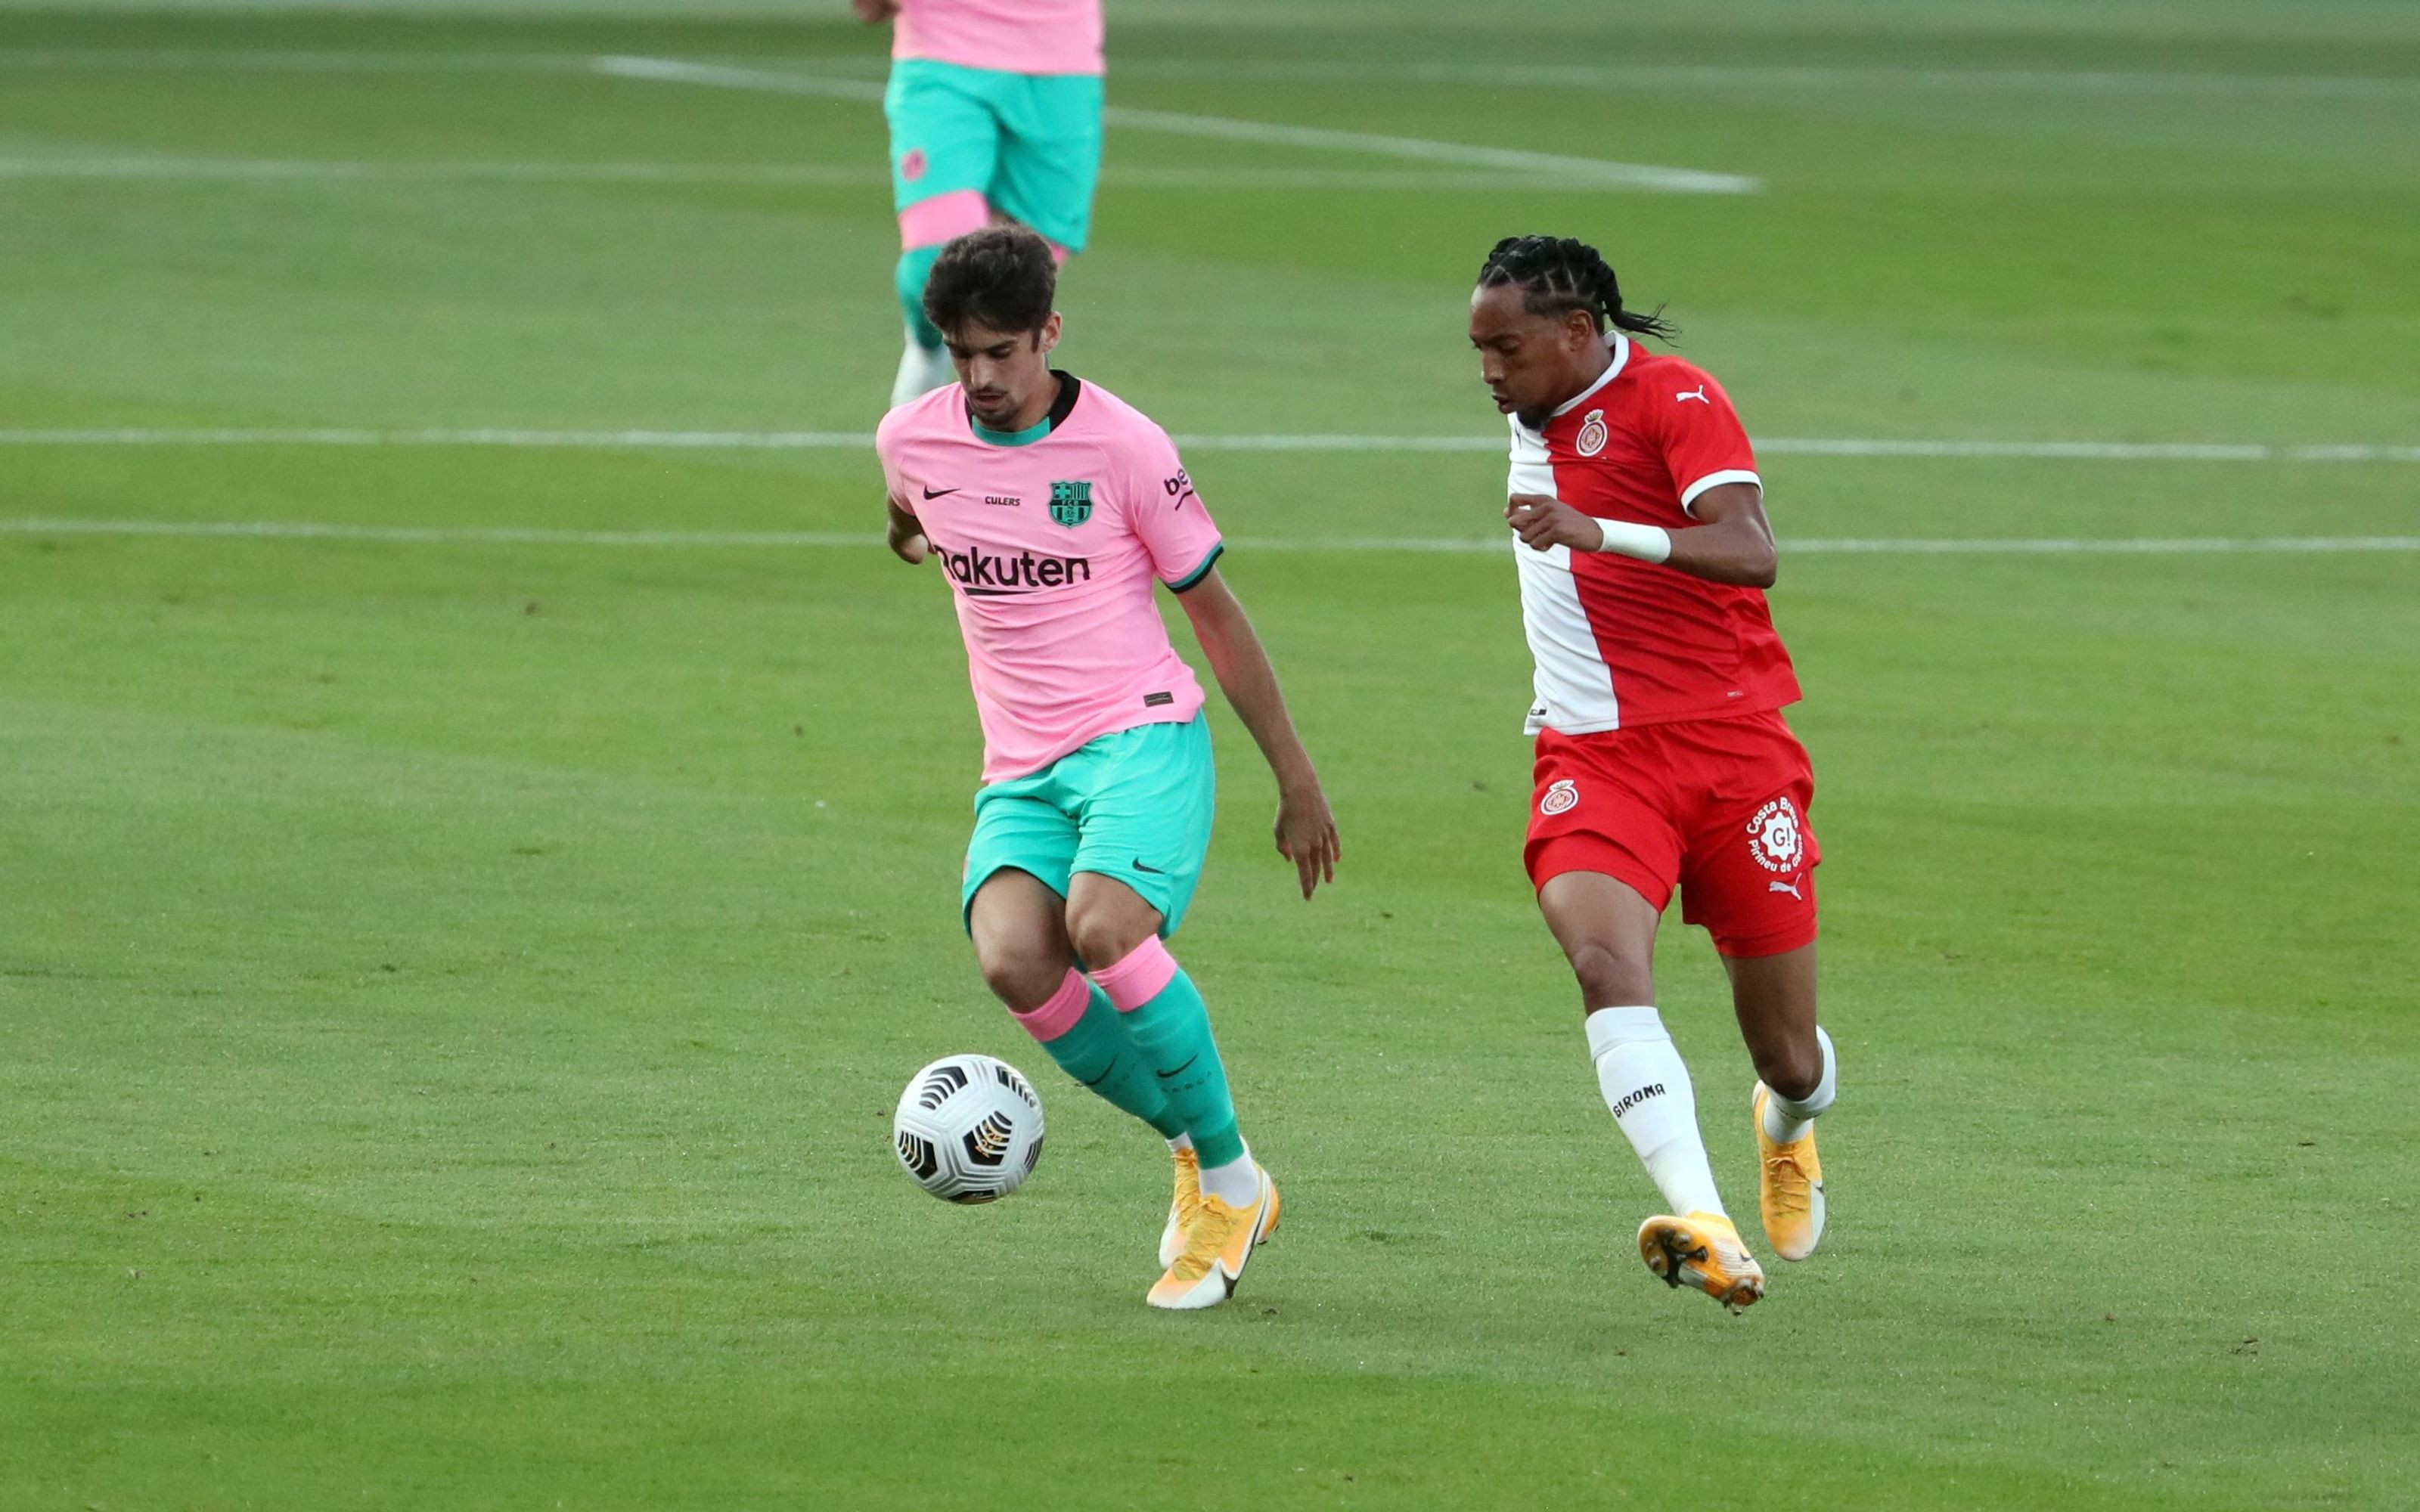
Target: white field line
[
  {"x": 282, "y": 60},
  {"x": 730, "y": 76},
  {"x": 507, "y": 535},
  {"x": 2230, "y": 86},
  {"x": 304, "y": 170},
  {"x": 542, "y": 439},
  {"x": 307, "y": 170},
  {"x": 1575, "y": 75},
  {"x": 1218, "y": 127},
  {"x": 810, "y": 440}
]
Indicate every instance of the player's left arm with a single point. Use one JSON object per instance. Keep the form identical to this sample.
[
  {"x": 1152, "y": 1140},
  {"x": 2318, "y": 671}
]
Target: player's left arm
[
  {"x": 1732, "y": 541},
  {"x": 1706, "y": 449},
  {"x": 1306, "y": 828}
]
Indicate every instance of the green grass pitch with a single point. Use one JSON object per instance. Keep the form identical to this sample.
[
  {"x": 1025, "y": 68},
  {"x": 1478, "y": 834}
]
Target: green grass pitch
[{"x": 453, "y": 989}]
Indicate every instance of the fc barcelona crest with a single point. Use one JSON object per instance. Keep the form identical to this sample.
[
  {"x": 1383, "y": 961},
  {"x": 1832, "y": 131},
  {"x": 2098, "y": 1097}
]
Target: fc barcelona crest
[{"x": 1071, "y": 503}]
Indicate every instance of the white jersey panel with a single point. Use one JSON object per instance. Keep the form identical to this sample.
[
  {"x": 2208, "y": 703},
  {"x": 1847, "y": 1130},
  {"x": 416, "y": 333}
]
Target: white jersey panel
[{"x": 1572, "y": 685}]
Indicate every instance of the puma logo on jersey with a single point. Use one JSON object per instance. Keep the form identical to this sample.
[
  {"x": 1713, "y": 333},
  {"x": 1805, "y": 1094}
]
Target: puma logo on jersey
[
  {"x": 1698, "y": 394},
  {"x": 1790, "y": 887}
]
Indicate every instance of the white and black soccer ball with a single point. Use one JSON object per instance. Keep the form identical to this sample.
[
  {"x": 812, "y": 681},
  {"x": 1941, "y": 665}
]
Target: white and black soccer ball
[{"x": 968, "y": 1129}]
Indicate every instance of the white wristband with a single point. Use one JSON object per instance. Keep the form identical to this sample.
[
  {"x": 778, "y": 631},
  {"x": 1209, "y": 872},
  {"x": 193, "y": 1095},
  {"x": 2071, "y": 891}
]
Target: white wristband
[{"x": 1647, "y": 543}]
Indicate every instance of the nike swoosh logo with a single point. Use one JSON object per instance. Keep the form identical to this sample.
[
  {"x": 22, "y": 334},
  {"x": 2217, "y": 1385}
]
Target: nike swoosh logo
[
  {"x": 1181, "y": 1069},
  {"x": 1152, "y": 869},
  {"x": 1105, "y": 1072},
  {"x": 937, "y": 493}
]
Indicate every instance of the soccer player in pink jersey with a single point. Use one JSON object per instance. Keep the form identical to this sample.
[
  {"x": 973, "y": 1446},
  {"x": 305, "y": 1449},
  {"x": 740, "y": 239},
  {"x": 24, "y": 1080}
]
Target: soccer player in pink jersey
[
  {"x": 995, "y": 114},
  {"x": 1662, "y": 756},
  {"x": 1053, "y": 507}
]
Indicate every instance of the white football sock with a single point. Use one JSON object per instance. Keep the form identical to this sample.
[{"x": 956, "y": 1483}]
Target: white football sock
[
  {"x": 1237, "y": 1183},
  {"x": 1787, "y": 1119},
  {"x": 921, "y": 369},
  {"x": 1183, "y": 1141},
  {"x": 1647, "y": 1086}
]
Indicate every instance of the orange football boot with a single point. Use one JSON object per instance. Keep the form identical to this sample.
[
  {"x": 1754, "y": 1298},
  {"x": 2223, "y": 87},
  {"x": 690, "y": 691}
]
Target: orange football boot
[
  {"x": 1216, "y": 1247},
  {"x": 1183, "y": 1207},
  {"x": 1790, "y": 1188},
  {"x": 1702, "y": 1250}
]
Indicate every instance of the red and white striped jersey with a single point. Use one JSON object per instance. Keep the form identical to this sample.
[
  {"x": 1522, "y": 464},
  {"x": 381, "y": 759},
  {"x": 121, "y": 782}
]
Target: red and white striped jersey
[{"x": 1618, "y": 641}]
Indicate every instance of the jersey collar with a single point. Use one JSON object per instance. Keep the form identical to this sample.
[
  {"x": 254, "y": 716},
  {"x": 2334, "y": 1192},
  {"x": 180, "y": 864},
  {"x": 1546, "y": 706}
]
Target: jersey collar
[
  {"x": 1620, "y": 344},
  {"x": 1069, "y": 387}
]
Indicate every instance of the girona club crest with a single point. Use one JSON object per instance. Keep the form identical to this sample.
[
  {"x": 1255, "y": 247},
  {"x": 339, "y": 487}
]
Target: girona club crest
[
  {"x": 1591, "y": 438},
  {"x": 1777, "y": 837},
  {"x": 1562, "y": 797}
]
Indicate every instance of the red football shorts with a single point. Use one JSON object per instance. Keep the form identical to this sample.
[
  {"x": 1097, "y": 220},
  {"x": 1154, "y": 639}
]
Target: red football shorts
[{"x": 1716, "y": 807}]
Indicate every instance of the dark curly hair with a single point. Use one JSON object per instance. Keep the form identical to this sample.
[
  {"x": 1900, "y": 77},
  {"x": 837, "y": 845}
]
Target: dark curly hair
[
  {"x": 1557, "y": 274},
  {"x": 1003, "y": 276}
]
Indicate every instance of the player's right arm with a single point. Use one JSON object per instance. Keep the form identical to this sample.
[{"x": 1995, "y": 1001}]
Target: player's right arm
[
  {"x": 905, "y": 535},
  {"x": 875, "y": 12}
]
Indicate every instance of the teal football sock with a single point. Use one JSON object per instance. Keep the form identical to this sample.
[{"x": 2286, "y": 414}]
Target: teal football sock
[
  {"x": 1088, "y": 1039},
  {"x": 915, "y": 267},
  {"x": 1171, "y": 1029}
]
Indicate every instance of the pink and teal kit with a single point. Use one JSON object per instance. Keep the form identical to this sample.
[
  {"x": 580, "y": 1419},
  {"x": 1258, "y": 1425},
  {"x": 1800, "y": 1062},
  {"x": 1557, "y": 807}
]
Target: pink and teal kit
[
  {"x": 995, "y": 108},
  {"x": 1096, "y": 755},
  {"x": 1096, "y": 758}
]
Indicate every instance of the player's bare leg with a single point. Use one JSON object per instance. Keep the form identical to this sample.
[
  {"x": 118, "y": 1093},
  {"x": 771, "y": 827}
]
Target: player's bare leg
[
  {"x": 1775, "y": 998},
  {"x": 1019, "y": 931},
  {"x": 1022, "y": 944},
  {"x": 1607, "y": 933}
]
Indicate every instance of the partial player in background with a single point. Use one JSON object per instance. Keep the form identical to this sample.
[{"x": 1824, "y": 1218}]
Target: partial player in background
[
  {"x": 1053, "y": 507},
  {"x": 1662, "y": 755},
  {"x": 995, "y": 114}
]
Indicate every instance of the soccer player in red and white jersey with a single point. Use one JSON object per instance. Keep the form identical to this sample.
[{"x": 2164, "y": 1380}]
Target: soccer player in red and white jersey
[{"x": 1661, "y": 757}]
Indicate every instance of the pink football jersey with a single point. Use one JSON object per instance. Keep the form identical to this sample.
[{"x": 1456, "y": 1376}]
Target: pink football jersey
[
  {"x": 1052, "y": 548},
  {"x": 1012, "y": 36}
]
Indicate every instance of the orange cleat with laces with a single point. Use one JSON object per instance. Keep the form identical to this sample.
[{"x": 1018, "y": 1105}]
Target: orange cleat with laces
[
  {"x": 1791, "y": 1187},
  {"x": 1216, "y": 1247},
  {"x": 1183, "y": 1207}
]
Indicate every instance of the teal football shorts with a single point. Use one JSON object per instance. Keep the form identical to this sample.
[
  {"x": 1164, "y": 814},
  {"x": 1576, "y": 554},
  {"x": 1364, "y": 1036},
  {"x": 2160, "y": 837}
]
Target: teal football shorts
[
  {"x": 1135, "y": 804},
  {"x": 1029, "y": 143}
]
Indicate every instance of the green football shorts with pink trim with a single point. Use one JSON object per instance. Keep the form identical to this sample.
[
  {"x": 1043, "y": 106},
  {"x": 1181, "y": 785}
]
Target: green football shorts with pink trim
[{"x": 967, "y": 144}]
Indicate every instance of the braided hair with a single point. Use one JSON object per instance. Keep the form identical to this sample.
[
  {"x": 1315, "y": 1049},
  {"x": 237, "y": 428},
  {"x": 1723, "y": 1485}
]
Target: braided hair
[{"x": 1557, "y": 274}]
